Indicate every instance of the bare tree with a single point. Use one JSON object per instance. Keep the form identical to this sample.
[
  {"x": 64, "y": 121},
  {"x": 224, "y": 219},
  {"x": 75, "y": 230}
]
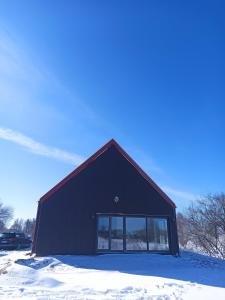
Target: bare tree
[
  {"x": 182, "y": 228},
  {"x": 206, "y": 224},
  {"x": 17, "y": 225},
  {"x": 6, "y": 215},
  {"x": 28, "y": 227}
]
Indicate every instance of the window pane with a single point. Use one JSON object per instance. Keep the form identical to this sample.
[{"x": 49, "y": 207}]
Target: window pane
[
  {"x": 157, "y": 234},
  {"x": 136, "y": 234},
  {"x": 103, "y": 232},
  {"x": 117, "y": 233}
]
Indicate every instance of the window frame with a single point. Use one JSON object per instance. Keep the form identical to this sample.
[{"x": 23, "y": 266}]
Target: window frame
[
  {"x": 109, "y": 238},
  {"x": 110, "y": 215},
  {"x": 168, "y": 234},
  {"x": 136, "y": 216}
]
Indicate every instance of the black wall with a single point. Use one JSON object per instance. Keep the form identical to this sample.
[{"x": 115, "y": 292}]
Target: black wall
[{"x": 66, "y": 221}]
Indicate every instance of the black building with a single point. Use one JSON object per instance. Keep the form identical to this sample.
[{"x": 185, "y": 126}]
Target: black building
[{"x": 107, "y": 204}]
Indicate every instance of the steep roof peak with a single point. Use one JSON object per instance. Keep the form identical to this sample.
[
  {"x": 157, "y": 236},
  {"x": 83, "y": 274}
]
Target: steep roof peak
[{"x": 110, "y": 143}]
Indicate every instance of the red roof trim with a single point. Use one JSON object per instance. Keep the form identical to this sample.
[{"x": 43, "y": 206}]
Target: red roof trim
[{"x": 93, "y": 157}]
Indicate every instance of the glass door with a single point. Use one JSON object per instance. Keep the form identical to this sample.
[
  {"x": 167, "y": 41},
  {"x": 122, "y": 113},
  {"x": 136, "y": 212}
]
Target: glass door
[
  {"x": 132, "y": 233},
  {"x": 103, "y": 233},
  {"x": 116, "y": 233},
  {"x": 136, "y": 234},
  {"x": 157, "y": 234}
]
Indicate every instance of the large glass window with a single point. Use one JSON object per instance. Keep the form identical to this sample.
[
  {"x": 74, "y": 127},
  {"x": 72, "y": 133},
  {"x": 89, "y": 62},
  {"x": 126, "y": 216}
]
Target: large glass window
[
  {"x": 136, "y": 233},
  {"x": 157, "y": 234},
  {"x": 129, "y": 233},
  {"x": 103, "y": 233},
  {"x": 116, "y": 233}
]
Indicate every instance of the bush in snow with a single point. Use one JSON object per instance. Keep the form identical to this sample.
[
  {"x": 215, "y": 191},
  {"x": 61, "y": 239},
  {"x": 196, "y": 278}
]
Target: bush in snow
[{"x": 205, "y": 225}]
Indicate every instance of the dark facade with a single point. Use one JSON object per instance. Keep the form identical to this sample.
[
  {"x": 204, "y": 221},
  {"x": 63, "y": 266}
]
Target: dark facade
[{"x": 108, "y": 204}]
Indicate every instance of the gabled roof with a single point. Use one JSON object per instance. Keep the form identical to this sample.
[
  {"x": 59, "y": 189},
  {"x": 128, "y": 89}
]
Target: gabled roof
[{"x": 97, "y": 154}]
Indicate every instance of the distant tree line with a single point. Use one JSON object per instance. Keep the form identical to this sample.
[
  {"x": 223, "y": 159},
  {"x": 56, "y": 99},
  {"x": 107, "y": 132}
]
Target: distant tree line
[
  {"x": 202, "y": 226},
  {"x": 27, "y": 226},
  {"x": 19, "y": 225}
]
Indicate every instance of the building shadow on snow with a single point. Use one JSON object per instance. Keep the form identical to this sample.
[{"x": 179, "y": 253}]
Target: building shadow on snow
[{"x": 191, "y": 267}]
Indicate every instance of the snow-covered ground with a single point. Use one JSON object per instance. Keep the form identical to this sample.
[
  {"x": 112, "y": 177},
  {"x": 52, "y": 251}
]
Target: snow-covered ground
[{"x": 116, "y": 276}]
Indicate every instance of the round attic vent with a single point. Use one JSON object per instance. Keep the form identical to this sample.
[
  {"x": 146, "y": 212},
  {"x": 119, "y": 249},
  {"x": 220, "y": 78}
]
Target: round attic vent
[{"x": 116, "y": 199}]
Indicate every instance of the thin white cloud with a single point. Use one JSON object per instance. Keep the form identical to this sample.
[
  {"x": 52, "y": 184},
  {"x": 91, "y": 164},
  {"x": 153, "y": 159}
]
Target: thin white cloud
[
  {"x": 39, "y": 148},
  {"x": 146, "y": 161},
  {"x": 180, "y": 197},
  {"x": 16, "y": 63},
  {"x": 174, "y": 193},
  {"x": 28, "y": 86}
]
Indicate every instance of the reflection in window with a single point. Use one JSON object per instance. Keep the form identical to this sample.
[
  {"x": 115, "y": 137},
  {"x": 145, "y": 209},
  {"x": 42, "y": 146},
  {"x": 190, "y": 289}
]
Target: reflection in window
[
  {"x": 117, "y": 233},
  {"x": 157, "y": 234},
  {"x": 103, "y": 232},
  {"x": 136, "y": 233}
]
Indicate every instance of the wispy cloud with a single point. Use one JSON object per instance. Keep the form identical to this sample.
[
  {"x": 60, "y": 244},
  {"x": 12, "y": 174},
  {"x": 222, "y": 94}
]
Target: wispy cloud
[
  {"x": 146, "y": 161},
  {"x": 39, "y": 148},
  {"x": 180, "y": 194},
  {"x": 182, "y": 198},
  {"x": 29, "y": 87}
]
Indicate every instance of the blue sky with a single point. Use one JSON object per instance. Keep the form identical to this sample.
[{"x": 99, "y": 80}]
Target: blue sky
[{"x": 75, "y": 74}]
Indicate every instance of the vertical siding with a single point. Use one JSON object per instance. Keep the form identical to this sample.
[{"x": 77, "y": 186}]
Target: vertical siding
[{"x": 67, "y": 222}]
